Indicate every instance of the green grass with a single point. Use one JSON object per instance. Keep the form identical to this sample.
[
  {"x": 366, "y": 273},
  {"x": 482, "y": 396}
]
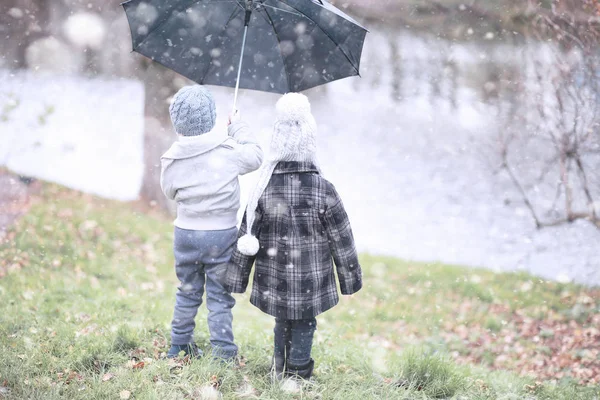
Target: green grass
[{"x": 86, "y": 295}]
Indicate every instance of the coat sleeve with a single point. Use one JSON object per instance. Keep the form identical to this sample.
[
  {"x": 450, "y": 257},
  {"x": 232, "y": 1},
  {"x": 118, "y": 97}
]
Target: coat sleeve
[
  {"x": 240, "y": 266},
  {"x": 250, "y": 154},
  {"x": 341, "y": 244},
  {"x": 166, "y": 184}
]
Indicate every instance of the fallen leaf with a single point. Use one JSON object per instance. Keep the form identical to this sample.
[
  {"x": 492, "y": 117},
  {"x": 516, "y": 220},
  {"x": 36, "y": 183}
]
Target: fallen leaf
[
  {"x": 107, "y": 377},
  {"x": 242, "y": 362},
  {"x": 72, "y": 375},
  {"x": 139, "y": 365},
  {"x": 215, "y": 382},
  {"x": 124, "y": 394}
]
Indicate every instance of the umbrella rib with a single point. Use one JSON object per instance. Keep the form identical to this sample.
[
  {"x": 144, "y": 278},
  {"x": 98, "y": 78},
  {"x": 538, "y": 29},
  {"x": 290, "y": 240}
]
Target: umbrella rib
[
  {"x": 231, "y": 17},
  {"x": 241, "y": 6},
  {"x": 326, "y": 34},
  {"x": 287, "y": 78},
  {"x": 281, "y": 9}
]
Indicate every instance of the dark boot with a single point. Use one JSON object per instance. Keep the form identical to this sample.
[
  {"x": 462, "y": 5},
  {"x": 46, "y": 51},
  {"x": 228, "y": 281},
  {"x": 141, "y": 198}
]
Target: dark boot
[
  {"x": 190, "y": 350},
  {"x": 300, "y": 371}
]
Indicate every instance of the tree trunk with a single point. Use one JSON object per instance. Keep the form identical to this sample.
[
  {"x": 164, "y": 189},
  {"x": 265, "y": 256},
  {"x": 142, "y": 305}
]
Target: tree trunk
[
  {"x": 24, "y": 21},
  {"x": 158, "y": 134}
]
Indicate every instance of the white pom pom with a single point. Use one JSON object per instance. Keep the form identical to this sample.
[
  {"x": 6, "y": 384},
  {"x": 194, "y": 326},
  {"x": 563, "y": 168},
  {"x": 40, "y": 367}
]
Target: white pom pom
[
  {"x": 293, "y": 106},
  {"x": 248, "y": 245}
]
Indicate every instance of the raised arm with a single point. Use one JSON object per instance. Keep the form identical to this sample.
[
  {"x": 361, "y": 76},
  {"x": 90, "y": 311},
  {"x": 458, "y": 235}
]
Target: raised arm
[
  {"x": 250, "y": 154},
  {"x": 341, "y": 244}
]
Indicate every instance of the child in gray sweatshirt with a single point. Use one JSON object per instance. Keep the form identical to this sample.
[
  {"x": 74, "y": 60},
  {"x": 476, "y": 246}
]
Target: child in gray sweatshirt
[{"x": 200, "y": 172}]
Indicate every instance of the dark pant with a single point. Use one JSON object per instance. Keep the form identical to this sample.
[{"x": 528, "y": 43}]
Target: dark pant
[
  {"x": 201, "y": 259},
  {"x": 293, "y": 341}
]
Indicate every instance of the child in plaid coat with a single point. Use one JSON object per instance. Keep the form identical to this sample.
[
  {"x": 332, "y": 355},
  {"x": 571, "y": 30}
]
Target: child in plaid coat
[{"x": 294, "y": 229}]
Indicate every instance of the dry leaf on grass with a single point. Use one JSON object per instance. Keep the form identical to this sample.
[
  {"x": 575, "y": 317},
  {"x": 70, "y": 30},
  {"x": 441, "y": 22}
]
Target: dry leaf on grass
[
  {"x": 139, "y": 365},
  {"x": 548, "y": 347},
  {"x": 215, "y": 382},
  {"x": 107, "y": 377}
]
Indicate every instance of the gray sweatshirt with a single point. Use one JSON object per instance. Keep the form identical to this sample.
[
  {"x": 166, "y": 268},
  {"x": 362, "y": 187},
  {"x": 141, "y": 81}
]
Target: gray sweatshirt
[{"x": 201, "y": 174}]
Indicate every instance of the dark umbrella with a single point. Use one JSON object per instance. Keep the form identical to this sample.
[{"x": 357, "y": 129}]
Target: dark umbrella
[{"x": 286, "y": 45}]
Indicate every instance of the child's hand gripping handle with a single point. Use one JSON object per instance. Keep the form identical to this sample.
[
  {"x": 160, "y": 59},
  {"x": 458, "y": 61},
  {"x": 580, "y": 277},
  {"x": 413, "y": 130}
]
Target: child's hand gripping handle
[{"x": 234, "y": 117}]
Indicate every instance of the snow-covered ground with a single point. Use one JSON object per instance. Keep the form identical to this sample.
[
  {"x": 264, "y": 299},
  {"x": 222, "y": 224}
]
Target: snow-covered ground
[{"x": 86, "y": 134}]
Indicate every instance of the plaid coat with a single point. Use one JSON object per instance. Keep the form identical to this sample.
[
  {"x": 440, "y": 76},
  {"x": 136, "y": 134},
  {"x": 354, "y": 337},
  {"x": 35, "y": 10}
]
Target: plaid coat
[{"x": 302, "y": 228}]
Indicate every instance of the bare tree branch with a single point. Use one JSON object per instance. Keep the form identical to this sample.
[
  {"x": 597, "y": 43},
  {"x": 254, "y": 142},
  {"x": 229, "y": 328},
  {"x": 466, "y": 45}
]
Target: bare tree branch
[
  {"x": 586, "y": 188},
  {"x": 560, "y": 103}
]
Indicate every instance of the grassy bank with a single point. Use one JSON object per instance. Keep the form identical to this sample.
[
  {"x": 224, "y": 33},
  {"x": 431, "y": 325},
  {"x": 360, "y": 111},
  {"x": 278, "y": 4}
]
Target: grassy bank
[{"x": 86, "y": 295}]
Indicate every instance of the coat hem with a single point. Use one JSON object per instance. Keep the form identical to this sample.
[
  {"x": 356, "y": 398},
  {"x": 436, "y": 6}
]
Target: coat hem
[{"x": 284, "y": 312}]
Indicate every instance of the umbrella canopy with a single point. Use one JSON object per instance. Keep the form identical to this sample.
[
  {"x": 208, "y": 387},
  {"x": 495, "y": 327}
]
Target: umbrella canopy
[{"x": 290, "y": 46}]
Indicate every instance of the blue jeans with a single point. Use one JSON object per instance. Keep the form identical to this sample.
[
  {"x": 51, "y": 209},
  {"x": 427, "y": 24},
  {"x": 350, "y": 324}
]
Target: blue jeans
[
  {"x": 201, "y": 259},
  {"x": 293, "y": 341}
]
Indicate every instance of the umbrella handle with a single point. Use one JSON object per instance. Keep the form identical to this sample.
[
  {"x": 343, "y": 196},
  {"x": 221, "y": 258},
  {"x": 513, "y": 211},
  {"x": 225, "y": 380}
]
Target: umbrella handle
[{"x": 237, "y": 83}]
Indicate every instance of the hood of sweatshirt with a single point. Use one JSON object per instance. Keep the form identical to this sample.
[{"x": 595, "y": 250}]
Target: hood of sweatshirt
[{"x": 187, "y": 147}]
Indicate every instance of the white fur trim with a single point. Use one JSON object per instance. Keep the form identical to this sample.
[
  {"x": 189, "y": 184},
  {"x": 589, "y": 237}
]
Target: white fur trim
[{"x": 248, "y": 245}]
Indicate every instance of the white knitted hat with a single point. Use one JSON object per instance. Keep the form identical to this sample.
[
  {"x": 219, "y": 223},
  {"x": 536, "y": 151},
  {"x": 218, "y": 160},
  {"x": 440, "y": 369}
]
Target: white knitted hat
[{"x": 294, "y": 139}]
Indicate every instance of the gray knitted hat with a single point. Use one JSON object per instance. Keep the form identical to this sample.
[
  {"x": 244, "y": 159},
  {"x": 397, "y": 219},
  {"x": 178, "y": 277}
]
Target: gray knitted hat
[
  {"x": 193, "y": 111},
  {"x": 294, "y": 139}
]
